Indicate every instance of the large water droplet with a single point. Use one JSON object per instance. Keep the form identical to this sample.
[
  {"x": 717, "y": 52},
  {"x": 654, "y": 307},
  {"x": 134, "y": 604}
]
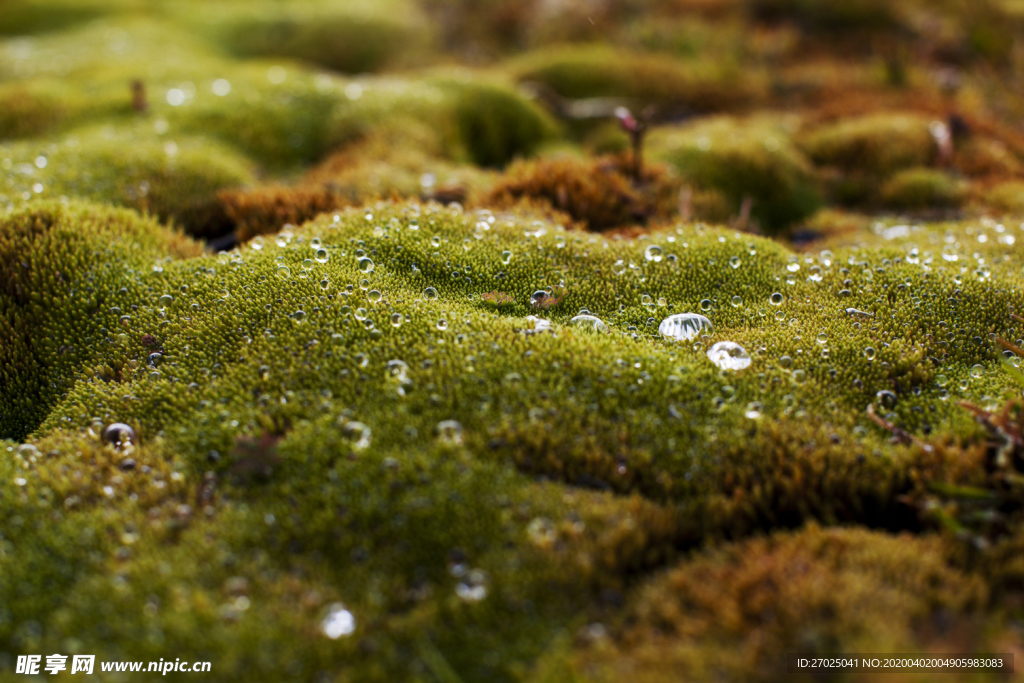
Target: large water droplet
[
  {"x": 366, "y": 265},
  {"x": 590, "y": 323},
  {"x": 322, "y": 256},
  {"x": 119, "y": 433},
  {"x": 685, "y": 326},
  {"x": 429, "y": 293},
  {"x": 653, "y": 253},
  {"x": 776, "y": 299},
  {"x": 729, "y": 356}
]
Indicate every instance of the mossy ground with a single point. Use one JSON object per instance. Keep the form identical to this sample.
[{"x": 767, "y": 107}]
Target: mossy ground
[{"x": 331, "y": 418}]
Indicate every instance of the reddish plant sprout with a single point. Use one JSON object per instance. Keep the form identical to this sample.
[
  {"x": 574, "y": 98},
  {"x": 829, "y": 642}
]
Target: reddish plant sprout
[{"x": 497, "y": 300}]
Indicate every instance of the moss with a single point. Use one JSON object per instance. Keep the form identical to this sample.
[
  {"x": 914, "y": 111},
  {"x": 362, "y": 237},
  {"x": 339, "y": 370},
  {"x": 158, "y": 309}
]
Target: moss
[
  {"x": 496, "y": 124},
  {"x": 1007, "y": 196},
  {"x": 267, "y": 209},
  {"x": 23, "y": 17},
  {"x": 831, "y": 15},
  {"x": 815, "y": 591},
  {"x": 876, "y": 144},
  {"x": 922, "y": 188},
  {"x": 348, "y": 39},
  {"x": 599, "y": 71},
  {"x": 174, "y": 178},
  {"x": 713, "y": 455},
  {"x": 434, "y": 443},
  {"x": 597, "y": 193},
  {"x": 61, "y": 265},
  {"x": 740, "y": 160}
]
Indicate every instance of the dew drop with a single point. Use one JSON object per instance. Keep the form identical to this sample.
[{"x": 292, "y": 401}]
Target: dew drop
[
  {"x": 685, "y": 326},
  {"x": 589, "y": 323},
  {"x": 729, "y": 356},
  {"x": 338, "y": 622},
  {"x": 429, "y": 293},
  {"x": 653, "y": 253},
  {"x": 776, "y": 299}
]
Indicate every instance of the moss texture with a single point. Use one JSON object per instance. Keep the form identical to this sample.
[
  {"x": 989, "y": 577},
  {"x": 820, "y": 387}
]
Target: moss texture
[{"x": 384, "y": 319}]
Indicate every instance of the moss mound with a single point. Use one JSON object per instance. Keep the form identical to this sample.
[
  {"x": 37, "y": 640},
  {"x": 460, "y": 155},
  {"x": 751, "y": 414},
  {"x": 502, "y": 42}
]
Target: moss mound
[
  {"x": 449, "y": 394},
  {"x": 743, "y": 161}
]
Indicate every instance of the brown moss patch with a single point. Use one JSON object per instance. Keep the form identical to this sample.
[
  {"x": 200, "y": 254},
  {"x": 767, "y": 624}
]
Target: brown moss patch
[
  {"x": 595, "y": 192},
  {"x": 265, "y": 210},
  {"x": 732, "y": 613}
]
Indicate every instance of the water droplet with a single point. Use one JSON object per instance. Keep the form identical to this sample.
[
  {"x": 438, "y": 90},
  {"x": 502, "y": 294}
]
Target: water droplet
[
  {"x": 729, "y": 356},
  {"x": 815, "y": 275},
  {"x": 442, "y": 324},
  {"x": 338, "y": 622},
  {"x": 977, "y": 371},
  {"x": 325, "y": 284},
  {"x": 590, "y": 323},
  {"x": 822, "y": 338},
  {"x": 429, "y": 293},
  {"x": 753, "y": 411},
  {"x": 307, "y": 264},
  {"x": 653, "y": 253},
  {"x": 436, "y": 241},
  {"x": 360, "y": 314},
  {"x": 165, "y": 301},
  {"x": 735, "y": 261},
  {"x": 776, "y": 299},
  {"x": 619, "y": 267},
  {"x": 685, "y": 326},
  {"x": 785, "y": 362},
  {"x": 736, "y": 301},
  {"x": 398, "y": 370},
  {"x": 119, "y": 433},
  {"x": 886, "y": 398},
  {"x": 358, "y": 434},
  {"x": 869, "y": 352},
  {"x": 284, "y": 271},
  {"x": 299, "y": 316},
  {"x": 449, "y": 432},
  {"x": 321, "y": 256},
  {"x": 374, "y": 295},
  {"x": 365, "y": 265},
  {"x": 705, "y": 305},
  {"x": 396, "y": 320},
  {"x": 506, "y": 256}
]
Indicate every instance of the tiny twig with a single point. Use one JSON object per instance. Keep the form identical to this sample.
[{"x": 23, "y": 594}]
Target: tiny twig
[{"x": 901, "y": 435}]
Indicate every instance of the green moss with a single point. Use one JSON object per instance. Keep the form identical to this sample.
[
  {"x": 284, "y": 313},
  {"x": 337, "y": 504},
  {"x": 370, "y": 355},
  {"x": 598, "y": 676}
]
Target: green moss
[
  {"x": 175, "y": 178},
  {"x": 345, "y": 38},
  {"x": 923, "y": 188},
  {"x": 876, "y": 144},
  {"x": 1008, "y": 197},
  {"x": 598, "y": 71},
  {"x": 61, "y": 265},
  {"x": 22, "y": 17},
  {"x": 742, "y": 159}
]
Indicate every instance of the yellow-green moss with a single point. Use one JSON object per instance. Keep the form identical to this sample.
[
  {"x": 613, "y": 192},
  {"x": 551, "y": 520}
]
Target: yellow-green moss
[
  {"x": 923, "y": 188},
  {"x": 741, "y": 159},
  {"x": 598, "y": 71},
  {"x": 174, "y": 177},
  {"x": 730, "y": 611}
]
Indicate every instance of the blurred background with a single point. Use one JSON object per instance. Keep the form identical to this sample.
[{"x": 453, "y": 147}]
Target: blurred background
[{"x": 794, "y": 118}]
